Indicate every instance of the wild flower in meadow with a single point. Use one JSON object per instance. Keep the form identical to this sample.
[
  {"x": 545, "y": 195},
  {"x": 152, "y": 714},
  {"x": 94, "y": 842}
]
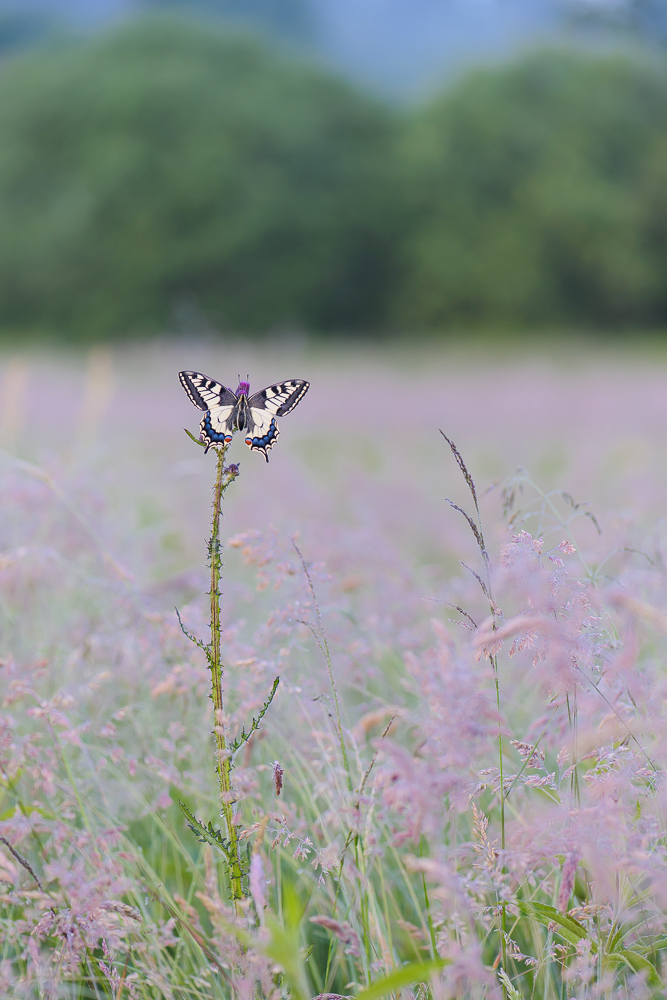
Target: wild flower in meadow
[
  {"x": 454, "y": 724},
  {"x": 462, "y": 780}
]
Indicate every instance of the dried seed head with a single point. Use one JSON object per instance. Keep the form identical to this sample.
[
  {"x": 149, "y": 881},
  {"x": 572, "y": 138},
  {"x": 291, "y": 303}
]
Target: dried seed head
[
  {"x": 343, "y": 931},
  {"x": 568, "y": 877},
  {"x": 278, "y": 772},
  {"x": 533, "y": 755}
]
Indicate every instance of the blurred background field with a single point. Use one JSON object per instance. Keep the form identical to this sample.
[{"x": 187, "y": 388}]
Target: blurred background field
[{"x": 364, "y": 449}]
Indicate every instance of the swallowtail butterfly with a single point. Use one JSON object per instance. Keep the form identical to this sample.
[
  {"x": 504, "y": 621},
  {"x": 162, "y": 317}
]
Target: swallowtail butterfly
[{"x": 228, "y": 411}]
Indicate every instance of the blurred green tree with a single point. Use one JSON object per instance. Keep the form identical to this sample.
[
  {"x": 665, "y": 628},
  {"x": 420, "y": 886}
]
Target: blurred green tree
[
  {"x": 535, "y": 196},
  {"x": 169, "y": 163}
]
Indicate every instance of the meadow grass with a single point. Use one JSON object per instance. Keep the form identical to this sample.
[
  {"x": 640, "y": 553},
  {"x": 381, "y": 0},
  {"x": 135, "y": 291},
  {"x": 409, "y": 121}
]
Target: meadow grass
[{"x": 457, "y": 787}]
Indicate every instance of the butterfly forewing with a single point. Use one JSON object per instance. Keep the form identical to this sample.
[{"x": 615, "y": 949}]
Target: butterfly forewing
[
  {"x": 205, "y": 392},
  {"x": 280, "y": 398}
]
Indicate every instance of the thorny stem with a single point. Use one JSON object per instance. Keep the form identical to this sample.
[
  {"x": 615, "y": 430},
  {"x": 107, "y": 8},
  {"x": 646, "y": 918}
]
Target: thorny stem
[
  {"x": 223, "y": 762},
  {"x": 224, "y": 749}
]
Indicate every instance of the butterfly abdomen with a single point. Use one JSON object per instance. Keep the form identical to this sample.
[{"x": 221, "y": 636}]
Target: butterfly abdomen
[{"x": 241, "y": 414}]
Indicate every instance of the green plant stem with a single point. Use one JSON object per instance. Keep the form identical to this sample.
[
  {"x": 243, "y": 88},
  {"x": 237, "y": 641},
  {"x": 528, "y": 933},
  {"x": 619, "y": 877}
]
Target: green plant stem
[
  {"x": 496, "y": 677},
  {"x": 434, "y": 947},
  {"x": 321, "y": 639},
  {"x": 223, "y": 763},
  {"x": 494, "y": 663}
]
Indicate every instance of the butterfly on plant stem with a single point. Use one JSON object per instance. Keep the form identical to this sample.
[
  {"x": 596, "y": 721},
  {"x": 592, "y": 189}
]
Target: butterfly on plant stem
[{"x": 228, "y": 411}]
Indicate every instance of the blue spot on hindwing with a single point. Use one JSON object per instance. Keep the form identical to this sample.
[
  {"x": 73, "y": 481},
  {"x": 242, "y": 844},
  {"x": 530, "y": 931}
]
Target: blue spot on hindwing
[
  {"x": 210, "y": 435},
  {"x": 267, "y": 440}
]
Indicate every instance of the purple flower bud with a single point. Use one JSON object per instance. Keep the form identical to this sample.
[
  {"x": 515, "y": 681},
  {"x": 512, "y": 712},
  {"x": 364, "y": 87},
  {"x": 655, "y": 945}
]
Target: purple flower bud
[
  {"x": 232, "y": 470},
  {"x": 243, "y": 389}
]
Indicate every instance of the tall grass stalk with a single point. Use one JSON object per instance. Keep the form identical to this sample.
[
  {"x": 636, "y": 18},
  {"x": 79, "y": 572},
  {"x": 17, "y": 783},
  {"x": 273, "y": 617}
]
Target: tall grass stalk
[
  {"x": 353, "y": 836},
  {"x": 320, "y": 636},
  {"x": 477, "y": 529}
]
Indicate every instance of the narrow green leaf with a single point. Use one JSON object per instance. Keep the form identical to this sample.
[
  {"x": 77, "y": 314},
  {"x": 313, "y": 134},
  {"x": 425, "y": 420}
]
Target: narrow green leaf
[
  {"x": 207, "y": 834},
  {"x": 616, "y": 939},
  {"x": 244, "y": 737},
  {"x": 634, "y": 961},
  {"x": 567, "y": 927},
  {"x": 29, "y": 810},
  {"x": 193, "y": 638},
  {"x": 658, "y": 945},
  {"x": 284, "y": 945},
  {"x": 415, "y": 972},
  {"x": 193, "y": 438}
]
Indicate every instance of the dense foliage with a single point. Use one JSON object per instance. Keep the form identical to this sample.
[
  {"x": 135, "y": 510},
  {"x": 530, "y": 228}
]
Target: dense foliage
[
  {"x": 170, "y": 162},
  {"x": 170, "y": 173},
  {"x": 538, "y": 195}
]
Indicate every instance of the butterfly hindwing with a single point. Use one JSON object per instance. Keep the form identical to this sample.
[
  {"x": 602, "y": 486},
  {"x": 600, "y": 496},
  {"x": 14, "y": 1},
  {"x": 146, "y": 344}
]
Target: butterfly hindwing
[
  {"x": 281, "y": 398},
  {"x": 262, "y": 431},
  {"x": 206, "y": 393},
  {"x": 274, "y": 401},
  {"x": 217, "y": 425}
]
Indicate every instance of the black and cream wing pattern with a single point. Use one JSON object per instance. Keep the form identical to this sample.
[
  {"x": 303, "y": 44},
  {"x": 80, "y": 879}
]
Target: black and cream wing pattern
[
  {"x": 219, "y": 402},
  {"x": 274, "y": 401},
  {"x": 228, "y": 411}
]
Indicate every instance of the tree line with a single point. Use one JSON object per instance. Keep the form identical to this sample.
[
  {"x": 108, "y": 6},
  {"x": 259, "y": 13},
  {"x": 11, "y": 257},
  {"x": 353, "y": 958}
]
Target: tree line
[{"x": 169, "y": 174}]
